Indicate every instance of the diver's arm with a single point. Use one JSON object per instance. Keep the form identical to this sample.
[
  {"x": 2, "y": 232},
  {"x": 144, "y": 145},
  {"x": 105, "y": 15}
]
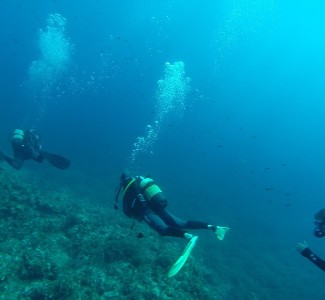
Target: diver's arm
[{"x": 316, "y": 260}]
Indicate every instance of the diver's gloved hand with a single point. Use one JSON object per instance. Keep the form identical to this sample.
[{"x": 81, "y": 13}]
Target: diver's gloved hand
[{"x": 302, "y": 246}]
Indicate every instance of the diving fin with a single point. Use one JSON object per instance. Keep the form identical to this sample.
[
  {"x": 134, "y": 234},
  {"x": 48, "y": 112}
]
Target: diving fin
[
  {"x": 56, "y": 160},
  {"x": 221, "y": 232},
  {"x": 183, "y": 258}
]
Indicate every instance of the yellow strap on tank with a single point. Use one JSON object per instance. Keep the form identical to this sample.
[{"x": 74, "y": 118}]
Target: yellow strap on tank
[
  {"x": 128, "y": 187},
  {"x": 151, "y": 191}
]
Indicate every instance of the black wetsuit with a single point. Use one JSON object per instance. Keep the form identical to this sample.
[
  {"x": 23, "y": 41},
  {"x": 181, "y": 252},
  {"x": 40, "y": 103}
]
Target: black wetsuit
[
  {"x": 153, "y": 211},
  {"x": 316, "y": 260},
  {"x": 24, "y": 149}
]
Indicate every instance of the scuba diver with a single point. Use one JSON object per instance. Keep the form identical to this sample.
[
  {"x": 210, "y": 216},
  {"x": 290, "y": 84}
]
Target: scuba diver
[
  {"x": 319, "y": 232},
  {"x": 26, "y": 145},
  {"x": 144, "y": 201}
]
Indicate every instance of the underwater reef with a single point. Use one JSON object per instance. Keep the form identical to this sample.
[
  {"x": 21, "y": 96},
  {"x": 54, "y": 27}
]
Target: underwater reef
[
  {"x": 56, "y": 245},
  {"x": 60, "y": 239}
]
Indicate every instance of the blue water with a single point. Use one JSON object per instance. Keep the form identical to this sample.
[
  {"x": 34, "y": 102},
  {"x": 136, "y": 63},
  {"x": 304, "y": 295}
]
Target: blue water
[{"x": 247, "y": 148}]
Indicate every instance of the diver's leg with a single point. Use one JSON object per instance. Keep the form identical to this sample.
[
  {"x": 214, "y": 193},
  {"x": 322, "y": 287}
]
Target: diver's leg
[
  {"x": 14, "y": 162},
  {"x": 159, "y": 225},
  {"x": 171, "y": 220}
]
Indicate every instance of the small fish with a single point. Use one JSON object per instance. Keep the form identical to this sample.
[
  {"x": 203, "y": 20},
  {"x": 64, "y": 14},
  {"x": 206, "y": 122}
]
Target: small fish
[{"x": 269, "y": 189}]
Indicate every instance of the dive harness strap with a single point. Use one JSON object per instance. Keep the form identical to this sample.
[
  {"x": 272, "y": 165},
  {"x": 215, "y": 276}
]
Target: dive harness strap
[
  {"x": 118, "y": 191},
  {"x": 138, "y": 197}
]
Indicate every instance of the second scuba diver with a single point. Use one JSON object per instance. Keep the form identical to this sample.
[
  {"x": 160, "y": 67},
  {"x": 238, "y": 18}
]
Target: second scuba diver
[
  {"x": 144, "y": 201},
  {"x": 26, "y": 145},
  {"x": 319, "y": 232}
]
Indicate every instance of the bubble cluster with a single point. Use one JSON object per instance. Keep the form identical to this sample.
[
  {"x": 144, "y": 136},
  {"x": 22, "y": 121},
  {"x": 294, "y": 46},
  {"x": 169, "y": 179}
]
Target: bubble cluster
[
  {"x": 55, "y": 54},
  {"x": 98, "y": 80},
  {"x": 172, "y": 90},
  {"x": 144, "y": 143},
  {"x": 246, "y": 19},
  {"x": 170, "y": 102}
]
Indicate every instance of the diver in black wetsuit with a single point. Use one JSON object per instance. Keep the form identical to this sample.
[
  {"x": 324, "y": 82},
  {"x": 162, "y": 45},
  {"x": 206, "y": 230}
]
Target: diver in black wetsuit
[
  {"x": 144, "y": 201},
  {"x": 26, "y": 145},
  {"x": 319, "y": 232}
]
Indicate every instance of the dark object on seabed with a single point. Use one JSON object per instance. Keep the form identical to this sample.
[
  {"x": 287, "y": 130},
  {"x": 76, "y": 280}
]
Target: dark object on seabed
[{"x": 140, "y": 235}]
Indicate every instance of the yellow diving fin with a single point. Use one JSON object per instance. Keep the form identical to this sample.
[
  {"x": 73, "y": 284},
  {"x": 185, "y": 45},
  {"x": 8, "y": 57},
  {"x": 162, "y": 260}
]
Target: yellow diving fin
[{"x": 183, "y": 258}]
